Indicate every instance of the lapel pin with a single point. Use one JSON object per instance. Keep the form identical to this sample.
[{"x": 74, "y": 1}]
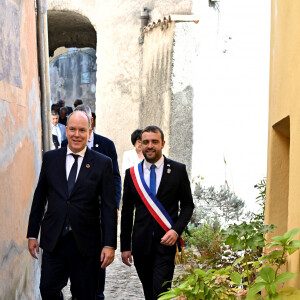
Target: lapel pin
[
  {"x": 168, "y": 171},
  {"x": 87, "y": 165},
  {"x": 96, "y": 145}
]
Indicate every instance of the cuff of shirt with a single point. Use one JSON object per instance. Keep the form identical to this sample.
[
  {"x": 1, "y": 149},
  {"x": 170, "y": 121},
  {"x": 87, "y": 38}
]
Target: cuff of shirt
[{"x": 175, "y": 232}]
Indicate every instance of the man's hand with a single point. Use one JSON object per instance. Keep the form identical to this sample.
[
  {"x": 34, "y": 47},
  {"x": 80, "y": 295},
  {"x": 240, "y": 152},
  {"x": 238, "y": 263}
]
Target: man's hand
[
  {"x": 107, "y": 256},
  {"x": 126, "y": 258},
  {"x": 33, "y": 247},
  {"x": 170, "y": 238}
]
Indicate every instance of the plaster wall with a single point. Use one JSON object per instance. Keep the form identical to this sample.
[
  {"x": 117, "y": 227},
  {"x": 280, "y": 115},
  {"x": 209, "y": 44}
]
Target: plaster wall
[
  {"x": 284, "y": 141},
  {"x": 230, "y": 86},
  {"x": 20, "y": 146},
  {"x": 118, "y": 28}
]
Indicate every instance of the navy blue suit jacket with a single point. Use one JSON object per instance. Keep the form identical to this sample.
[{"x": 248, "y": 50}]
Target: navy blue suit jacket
[
  {"x": 174, "y": 192},
  {"x": 107, "y": 147},
  {"x": 83, "y": 206}
]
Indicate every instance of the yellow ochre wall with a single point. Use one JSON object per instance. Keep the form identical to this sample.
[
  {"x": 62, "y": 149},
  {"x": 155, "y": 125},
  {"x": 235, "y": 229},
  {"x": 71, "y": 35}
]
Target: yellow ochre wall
[{"x": 283, "y": 175}]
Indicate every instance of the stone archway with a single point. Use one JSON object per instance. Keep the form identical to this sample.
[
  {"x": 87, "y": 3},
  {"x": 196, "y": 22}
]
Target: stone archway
[
  {"x": 69, "y": 29},
  {"x": 72, "y": 71}
]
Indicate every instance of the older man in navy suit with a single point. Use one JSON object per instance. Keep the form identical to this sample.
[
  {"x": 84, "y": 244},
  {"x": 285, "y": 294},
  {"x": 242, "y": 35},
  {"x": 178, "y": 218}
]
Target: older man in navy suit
[
  {"x": 105, "y": 146},
  {"x": 78, "y": 193},
  {"x": 166, "y": 182}
]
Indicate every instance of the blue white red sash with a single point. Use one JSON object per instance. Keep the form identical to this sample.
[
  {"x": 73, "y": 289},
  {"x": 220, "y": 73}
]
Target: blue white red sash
[{"x": 153, "y": 205}]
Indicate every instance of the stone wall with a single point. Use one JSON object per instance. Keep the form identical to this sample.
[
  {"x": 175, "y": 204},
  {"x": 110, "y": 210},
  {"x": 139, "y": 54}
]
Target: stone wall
[
  {"x": 73, "y": 76},
  {"x": 20, "y": 146},
  {"x": 166, "y": 89}
]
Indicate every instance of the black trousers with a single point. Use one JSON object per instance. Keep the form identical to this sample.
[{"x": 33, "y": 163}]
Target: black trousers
[
  {"x": 155, "y": 269},
  {"x": 66, "y": 262}
]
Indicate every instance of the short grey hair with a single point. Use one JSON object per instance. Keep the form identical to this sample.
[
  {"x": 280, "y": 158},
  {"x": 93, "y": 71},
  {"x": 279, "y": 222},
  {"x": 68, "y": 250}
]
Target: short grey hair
[
  {"x": 85, "y": 108},
  {"x": 77, "y": 110}
]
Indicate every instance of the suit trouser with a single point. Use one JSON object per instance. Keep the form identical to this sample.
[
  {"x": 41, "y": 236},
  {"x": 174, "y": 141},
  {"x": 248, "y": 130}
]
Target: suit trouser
[
  {"x": 66, "y": 262},
  {"x": 155, "y": 269}
]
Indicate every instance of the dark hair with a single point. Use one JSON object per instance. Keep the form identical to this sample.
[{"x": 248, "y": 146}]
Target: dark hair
[
  {"x": 153, "y": 128},
  {"x": 77, "y": 102},
  {"x": 54, "y": 105},
  {"x": 64, "y": 108},
  {"x": 54, "y": 113},
  {"x": 136, "y": 135}
]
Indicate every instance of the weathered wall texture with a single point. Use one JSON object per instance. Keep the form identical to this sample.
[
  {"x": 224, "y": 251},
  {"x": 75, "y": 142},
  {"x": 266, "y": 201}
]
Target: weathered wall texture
[
  {"x": 156, "y": 79},
  {"x": 118, "y": 27},
  {"x": 167, "y": 93},
  {"x": 20, "y": 146},
  {"x": 73, "y": 76},
  {"x": 283, "y": 189}
]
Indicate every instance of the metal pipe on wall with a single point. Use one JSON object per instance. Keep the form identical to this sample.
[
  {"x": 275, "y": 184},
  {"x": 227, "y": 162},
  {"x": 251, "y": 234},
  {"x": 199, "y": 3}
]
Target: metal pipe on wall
[{"x": 43, "y": 61}]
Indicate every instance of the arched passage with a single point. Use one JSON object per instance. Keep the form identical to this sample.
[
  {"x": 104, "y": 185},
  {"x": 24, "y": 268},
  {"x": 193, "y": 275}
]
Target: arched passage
[
  {"x": 72, "y": 71},
  {"x": 69, "y": 29}
]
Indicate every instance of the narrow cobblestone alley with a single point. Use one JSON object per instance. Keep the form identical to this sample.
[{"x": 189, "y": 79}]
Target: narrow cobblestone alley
[{"x": 122, "y": 282}]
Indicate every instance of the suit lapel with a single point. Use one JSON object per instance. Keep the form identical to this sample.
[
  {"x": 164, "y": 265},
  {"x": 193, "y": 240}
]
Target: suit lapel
[
  {"x": 84, "y": 169},
  {"x": 61, "y": 163},
  {"x": 97, "y": 145}
]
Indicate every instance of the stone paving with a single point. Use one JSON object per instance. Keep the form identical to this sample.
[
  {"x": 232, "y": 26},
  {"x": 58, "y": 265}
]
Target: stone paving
[{"x": 122, "y": 282}]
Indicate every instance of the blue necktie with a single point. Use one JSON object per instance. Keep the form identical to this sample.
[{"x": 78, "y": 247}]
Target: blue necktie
[{"x": 153, "y": 180}]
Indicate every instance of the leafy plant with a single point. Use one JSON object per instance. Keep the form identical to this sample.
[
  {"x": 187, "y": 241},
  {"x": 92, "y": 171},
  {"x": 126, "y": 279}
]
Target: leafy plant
[{"x": 248, "y": 275}]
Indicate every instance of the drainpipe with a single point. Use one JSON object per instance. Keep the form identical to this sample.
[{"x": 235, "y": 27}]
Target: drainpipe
[
  {"x": 144, "y": 17},
  {"x": 43, "y": 62}
]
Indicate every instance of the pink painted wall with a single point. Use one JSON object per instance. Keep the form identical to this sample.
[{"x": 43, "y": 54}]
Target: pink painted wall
[{"x": 20, "y": 146}]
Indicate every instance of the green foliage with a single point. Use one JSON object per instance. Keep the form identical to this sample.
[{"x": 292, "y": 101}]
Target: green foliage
[
  {"x": 216, "y": 204},
  {"x": 260, "y": 200},
  {"x": 249, "y": 274}
]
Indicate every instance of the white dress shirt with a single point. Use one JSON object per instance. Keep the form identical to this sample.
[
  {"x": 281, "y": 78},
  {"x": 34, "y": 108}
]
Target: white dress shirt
[
  {"x": 90, "y": 143},
  {"x": 158, "y": 171},
  {"x": 70, "y": 160},
  {"x": 130, "y": 158},
  {"x": 56, "y": 131}
]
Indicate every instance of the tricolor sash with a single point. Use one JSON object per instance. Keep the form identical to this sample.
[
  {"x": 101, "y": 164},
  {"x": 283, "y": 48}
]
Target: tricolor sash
[{"x": 156, "y": 209}]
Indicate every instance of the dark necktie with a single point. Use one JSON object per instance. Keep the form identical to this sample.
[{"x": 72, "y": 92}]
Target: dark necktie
[
  {"x": 73, "y": 173},
  {"x": 153, "y": 180},
  {"x": 71, "y": 183}
]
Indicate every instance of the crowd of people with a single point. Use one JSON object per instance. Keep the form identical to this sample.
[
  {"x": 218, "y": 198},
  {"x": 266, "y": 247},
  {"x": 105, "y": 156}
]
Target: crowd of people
[{"x": 75, "y": 206}]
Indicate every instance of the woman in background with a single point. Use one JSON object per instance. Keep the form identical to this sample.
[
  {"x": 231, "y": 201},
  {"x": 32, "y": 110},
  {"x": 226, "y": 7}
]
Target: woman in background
[{"x": 134, "y": 156}]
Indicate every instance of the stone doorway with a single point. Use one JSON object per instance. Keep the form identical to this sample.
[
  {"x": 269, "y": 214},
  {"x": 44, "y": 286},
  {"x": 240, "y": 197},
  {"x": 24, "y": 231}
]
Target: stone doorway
[{"x": 72, "y": 50}]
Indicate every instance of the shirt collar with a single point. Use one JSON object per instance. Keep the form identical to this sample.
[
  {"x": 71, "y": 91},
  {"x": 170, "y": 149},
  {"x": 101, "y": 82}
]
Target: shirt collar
[
  {"x": 157, "y": 164},
  {"x": 91, "y": 139},
  {"x": 81, "y": 153}
]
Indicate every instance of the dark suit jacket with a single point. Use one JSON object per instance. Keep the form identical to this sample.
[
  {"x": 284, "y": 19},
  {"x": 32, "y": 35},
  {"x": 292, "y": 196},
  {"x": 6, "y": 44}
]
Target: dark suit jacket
[
  {"x": 174, "y": 188},
  {"x": 107, "y": 147},
  {"x": 83, "y": 206}
]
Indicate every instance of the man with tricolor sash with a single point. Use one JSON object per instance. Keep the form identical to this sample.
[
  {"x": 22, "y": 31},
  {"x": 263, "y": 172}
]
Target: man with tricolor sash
[{"x": 158, "y": 189}]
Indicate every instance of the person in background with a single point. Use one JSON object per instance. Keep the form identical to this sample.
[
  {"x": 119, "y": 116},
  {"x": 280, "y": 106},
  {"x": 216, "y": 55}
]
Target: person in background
[
  {"x": 134, "y": 156},
  {"x": 93, "y": 120},
  {"x": 63, "y": 115},
  {"x": 77, "y": 102},
  {"x": 58, "y": 130},
  {"x": 61, "y": 102},
  {"x": 55, "y": 107}
]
